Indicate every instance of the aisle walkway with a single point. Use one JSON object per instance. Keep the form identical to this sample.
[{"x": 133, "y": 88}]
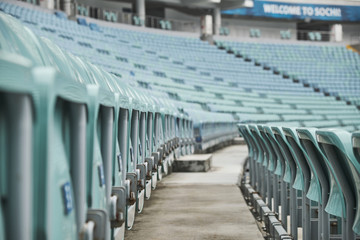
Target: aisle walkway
[{"x": 189, "y": 206}]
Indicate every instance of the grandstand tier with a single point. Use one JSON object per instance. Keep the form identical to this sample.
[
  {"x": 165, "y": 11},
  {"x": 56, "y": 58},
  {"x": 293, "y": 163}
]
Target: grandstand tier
[{"x": 193, "y": 71}]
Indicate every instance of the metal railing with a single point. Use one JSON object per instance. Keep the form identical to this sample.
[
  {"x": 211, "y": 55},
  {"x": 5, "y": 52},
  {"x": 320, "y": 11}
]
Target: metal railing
[
  {"x": 176, "y": 25},
  {"x": 320, "y": 36},
  {"x": 268, "y": 33},
  {"x": 133, "y": 19},
  {"x": 355, "y": 38},
  {"x": 271, "y": 33}
]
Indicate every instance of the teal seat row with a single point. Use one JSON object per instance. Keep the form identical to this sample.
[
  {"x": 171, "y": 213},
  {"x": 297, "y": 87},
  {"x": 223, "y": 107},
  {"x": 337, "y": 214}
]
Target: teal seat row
[
  {"x": 89, "y": 148},
  {"x": 320, "y": 168}
]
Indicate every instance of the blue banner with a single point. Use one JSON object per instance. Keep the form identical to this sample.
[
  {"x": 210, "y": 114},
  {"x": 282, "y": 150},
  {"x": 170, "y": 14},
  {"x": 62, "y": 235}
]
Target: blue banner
[{"x": 299, "y": 11}]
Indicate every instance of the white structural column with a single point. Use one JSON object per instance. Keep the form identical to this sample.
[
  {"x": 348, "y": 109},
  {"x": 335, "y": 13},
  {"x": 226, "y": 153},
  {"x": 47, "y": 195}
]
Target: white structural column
[
  {"x": 140, "y": 10},
  {"x": 66, "y": 6},
  {"x": 217, "y": 20},
  {"x": 49, "y": 4}
]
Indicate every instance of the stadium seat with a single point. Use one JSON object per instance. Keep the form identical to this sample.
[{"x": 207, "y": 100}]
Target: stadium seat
[
  {"x": 272, "y": 177},
  {"x": 255, "y": 33},
  {"x": 16, "y": 144},
  {"x": 82, "y": 21},
  {"x": 253, "y": 155},
  {"x": 82, "y": 10},
  {"x": 137, "y": 21},
  {"x": 285, "y": 34},
  {"x": 304, "y": 169},
  {"x": 318, "y": 36},
  {"x": 94, "y": 27},
  {"x": 295, "y": 179},
  {"x": 162, "y": 24},
  {"x": 60, "y": 15},
  {"x": 168, "y": 25},
  {"x": 110, "y": 16},
  {"x": 283, "y": 172},
  {"x": 224, "y": 31},
  {"x": 262, "y": 161}
]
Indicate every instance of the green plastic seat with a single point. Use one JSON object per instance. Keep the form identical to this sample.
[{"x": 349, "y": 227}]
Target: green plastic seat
[
  {"x": 296, "y": 178},
  {"x": 264, "y": 153},
  {"x": 302, "y": 165},
  {"x": 18, "y": 156},
  {"x": 136, "y": 20},
  {"x": 318, "y": 36},
  {"x": 147, "y": 145},
  {"x": 273, "y": 179},
  {"x": 271, "y": 153},
  {"x": 143, "y": 160},
  {"x": 162, "y": 24},
  {"x": 283, "y": 172},
  {"x": 168, "y": 25},
  {"x": 258, "y": 161},
  {"x": 183, "y": 136},
  {"x": 254, "y": 152},
  {"x": 251, "y": 151},
  {"x": 130, "y": 133},
  {"x": 163, "y": 138}
]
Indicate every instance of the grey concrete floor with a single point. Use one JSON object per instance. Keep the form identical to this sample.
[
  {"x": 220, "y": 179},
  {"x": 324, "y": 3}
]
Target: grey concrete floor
[{"x": 199, "y": 205}]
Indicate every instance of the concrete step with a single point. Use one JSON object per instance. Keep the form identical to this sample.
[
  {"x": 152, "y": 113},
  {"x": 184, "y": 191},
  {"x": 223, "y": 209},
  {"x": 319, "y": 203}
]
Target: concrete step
[
  {"x": 193, "y": 163},
  {"x": 239, "y": 141}
]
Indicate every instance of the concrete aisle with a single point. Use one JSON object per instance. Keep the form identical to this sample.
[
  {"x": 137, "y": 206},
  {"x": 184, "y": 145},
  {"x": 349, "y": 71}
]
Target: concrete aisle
[{"x": 199, "y": 205}]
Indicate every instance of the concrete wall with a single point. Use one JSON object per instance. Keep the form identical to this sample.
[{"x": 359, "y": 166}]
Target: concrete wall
[
  {"x": 351, "y": 33},
  {"x": 107, "y": 5}
]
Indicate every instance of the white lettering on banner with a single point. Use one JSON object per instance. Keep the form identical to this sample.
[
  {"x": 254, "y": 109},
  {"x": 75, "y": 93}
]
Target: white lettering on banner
[
  {"x": 328, "y": 12},
  {"x": 282, "y": 9},
  {"x": 301, "y": 11},
  {"x": 307, "y": 11}
]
